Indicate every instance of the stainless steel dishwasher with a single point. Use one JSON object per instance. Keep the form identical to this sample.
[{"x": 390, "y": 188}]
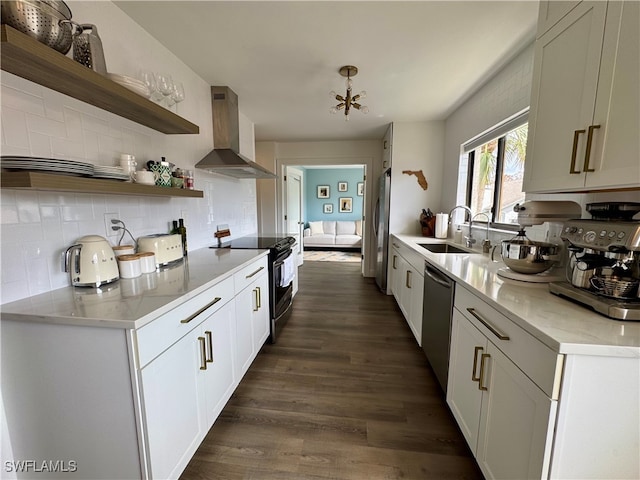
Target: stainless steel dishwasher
[{"x": 437, "y": 309}]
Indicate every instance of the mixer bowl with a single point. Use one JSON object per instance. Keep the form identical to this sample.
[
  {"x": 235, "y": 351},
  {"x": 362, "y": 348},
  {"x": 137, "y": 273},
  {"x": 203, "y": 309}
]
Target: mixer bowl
[
  {"x": 528, "y": 258},
  {"x": 40, "y": 20}
]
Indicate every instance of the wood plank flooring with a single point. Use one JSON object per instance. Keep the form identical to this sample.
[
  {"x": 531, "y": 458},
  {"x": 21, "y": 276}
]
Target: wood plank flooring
[{"x": 346, "y": 393}]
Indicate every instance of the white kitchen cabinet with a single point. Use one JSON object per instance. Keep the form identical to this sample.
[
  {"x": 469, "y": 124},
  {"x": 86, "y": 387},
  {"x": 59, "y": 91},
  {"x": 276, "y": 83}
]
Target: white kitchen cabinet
[
  {"x": 506, "y": 418},
  {"x": 407, "y": 285},
  {"x": 550, "y": 13},
  {"x": 184, "y": 390},
  {"x": 174, "y": 407},
  {"x": 585, "y": 101},
  {"x": 252, "y": 317},
  {"x": 145, "y": 397}
]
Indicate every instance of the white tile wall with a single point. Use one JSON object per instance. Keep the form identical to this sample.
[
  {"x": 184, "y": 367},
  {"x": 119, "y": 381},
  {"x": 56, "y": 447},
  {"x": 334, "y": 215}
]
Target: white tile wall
[{"x": 36, "y": 227}]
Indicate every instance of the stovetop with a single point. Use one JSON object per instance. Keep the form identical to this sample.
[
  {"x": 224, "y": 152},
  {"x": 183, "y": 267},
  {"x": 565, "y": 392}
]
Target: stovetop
[{"x": 275, "y": 241}]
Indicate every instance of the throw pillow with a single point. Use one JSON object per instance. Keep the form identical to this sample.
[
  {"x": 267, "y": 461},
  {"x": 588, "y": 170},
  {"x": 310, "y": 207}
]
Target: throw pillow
[
  {"x": 359, "y": 227},
  {"x": 316, "y": 228}
]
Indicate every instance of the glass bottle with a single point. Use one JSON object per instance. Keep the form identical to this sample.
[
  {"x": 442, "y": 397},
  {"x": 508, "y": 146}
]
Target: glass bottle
[{"x": 182, "y": 230}]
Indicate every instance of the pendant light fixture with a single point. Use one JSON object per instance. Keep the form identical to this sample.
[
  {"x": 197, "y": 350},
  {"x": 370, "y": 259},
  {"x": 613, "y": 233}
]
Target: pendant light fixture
[{"x": 348, "y": 100}]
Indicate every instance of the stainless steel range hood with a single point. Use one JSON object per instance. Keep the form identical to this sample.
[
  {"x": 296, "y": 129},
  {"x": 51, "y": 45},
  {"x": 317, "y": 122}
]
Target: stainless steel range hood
[{"x": 225, "y": 158}]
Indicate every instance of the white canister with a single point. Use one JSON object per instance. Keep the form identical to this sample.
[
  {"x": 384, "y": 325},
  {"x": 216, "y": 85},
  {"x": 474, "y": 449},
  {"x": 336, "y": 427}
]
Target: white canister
[
  {"x": 147, "y": 262},
  {"x": 129, "y": 266},
  {"x": 123, "y": 250},
  {"x": 442, "y": 225}
]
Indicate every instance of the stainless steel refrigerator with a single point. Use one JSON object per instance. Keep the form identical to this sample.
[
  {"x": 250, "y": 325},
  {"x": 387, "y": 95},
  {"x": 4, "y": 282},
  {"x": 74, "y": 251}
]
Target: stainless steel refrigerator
[{"x": 381, "y": 224}]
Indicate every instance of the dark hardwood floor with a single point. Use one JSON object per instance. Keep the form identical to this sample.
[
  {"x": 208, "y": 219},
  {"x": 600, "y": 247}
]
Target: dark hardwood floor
[{"x": 346, "y": 393}]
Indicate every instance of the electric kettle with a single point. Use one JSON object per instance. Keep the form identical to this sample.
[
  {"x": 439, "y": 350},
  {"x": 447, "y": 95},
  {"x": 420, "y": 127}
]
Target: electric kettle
[{"x": 90, "y": 262}]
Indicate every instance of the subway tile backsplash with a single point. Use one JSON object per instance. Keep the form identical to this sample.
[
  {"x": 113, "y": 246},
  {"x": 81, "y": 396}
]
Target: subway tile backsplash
[{"x": 36, "y": 227}]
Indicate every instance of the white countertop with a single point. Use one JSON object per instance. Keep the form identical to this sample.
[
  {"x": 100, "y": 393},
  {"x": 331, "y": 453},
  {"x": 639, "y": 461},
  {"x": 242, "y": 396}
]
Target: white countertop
[
  {"x": 132, "y": 303},
  {"x": 565, "y": 327}
]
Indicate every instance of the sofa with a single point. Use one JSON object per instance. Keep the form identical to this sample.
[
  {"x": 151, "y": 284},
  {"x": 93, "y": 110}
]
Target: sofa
[{"x": 333, "y": 234}]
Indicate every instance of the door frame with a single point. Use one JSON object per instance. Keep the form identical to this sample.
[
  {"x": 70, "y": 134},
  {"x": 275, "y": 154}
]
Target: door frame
[{"x": 368, "y": 249}]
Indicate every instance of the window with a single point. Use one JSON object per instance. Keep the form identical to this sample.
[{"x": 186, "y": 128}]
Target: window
[{"x": 495, "y": 169}]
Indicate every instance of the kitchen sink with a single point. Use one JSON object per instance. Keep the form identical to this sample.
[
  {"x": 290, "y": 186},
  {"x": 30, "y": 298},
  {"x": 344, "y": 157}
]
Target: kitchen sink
[{"x": 442, "y": 248}]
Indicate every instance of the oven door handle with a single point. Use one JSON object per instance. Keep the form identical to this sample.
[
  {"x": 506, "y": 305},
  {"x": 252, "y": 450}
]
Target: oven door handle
[{"x": 279, "y": 261}]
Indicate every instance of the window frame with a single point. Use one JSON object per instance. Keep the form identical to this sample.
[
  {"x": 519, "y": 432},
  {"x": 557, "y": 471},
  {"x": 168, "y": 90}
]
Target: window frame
[{"x": 501, "y": 138}]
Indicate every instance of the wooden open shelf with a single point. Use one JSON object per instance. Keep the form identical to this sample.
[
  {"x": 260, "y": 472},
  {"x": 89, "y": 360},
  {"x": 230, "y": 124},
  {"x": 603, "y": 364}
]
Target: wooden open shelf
[
  {"x": 67, "y": 183},
  {"x": 30, "y": 59}
]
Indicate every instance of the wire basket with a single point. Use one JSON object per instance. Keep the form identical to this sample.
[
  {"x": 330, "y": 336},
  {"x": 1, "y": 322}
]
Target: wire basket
[{"x": 615, "y": 287}]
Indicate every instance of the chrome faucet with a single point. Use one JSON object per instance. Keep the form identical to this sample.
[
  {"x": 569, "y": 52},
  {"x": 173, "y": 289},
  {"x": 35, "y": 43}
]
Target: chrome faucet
[
  {"x": 486, "y": 243},
  {"x": 468, "y": 241}
]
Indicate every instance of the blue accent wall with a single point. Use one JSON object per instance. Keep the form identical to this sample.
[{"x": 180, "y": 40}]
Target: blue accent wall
[{"x": 314, "y": 206}]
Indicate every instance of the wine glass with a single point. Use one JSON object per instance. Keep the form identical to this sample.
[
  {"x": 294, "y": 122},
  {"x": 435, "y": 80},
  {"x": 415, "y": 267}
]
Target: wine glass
[
  {"x": 165, "y": 84},
  {"x": 149, "y": 79},
  {"x": 178, "y": 93}
]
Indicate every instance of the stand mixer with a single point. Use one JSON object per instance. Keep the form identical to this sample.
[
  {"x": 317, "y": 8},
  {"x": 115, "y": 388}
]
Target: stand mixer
[{"x": 532, "y": 261}]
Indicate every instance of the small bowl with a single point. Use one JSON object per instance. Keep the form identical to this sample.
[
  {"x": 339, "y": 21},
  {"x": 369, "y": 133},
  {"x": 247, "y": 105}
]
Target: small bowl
[{"x": 177, "y": 182}]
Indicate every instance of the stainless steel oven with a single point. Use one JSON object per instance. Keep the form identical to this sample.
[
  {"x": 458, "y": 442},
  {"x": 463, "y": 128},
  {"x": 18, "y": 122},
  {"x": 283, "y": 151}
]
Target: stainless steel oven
[{"x": 280, "y": 280}]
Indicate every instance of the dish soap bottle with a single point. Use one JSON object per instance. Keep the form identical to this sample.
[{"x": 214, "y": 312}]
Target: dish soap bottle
[
  {"x": 457, "y": 236},
  {"x": 182, "y": 230}
]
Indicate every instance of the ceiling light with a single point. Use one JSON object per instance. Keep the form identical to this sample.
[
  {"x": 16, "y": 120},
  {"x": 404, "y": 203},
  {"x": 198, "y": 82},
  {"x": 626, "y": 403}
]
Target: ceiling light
[{"x": 348, "y": 101}]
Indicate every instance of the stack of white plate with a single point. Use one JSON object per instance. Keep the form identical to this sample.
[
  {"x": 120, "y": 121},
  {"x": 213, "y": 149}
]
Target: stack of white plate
[
  {"x": 133, "y": 84},
  {"x": 111, "y": 173},
  {"x": 49, "y": 165}
]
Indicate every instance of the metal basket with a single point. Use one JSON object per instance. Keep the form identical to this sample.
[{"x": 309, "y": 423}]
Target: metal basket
[
  {"x": 615, "y": 287},
  {"x": 41, "y": 21}
]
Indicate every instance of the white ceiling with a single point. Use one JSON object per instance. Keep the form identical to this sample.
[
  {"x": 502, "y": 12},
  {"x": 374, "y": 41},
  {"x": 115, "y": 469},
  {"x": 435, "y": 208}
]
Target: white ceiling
[{"x": 417, "y": 60}]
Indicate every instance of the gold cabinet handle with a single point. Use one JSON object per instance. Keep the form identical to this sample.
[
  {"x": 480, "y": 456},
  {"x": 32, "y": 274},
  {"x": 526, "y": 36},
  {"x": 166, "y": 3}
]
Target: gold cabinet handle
[
  {"x": 384, "y": 145},
  {"x": 254, "y": 273},
  {"x": 188, "y": 319},
  {"x": 475, "y": 364},
  {"x": 574, "y": 152},
  {"x": 481, "y": 385},
  {"x": 486, "y": 323},
  {"x": 587, "y": 153},
  {"x": 396, "y": 245},
  {"x": 255, "y": 300},
  {"x": 203, "y": 354},
  {"x": 394, "y": 262},
  {"x": 259, "y": 297},
  {"x": 209, "y": 358},
  {"x": 408, "y": 279}
]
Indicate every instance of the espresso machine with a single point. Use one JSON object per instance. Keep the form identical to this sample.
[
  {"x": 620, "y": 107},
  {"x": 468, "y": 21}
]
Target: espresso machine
[{"x": 604, "y": 268}]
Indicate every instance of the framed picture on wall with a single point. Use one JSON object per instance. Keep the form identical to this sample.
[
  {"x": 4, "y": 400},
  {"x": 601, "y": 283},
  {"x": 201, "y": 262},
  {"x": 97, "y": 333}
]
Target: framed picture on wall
[
  {"x": 346, "y": 204},
  {"x": 323, "y": 191},
  {"x": 360, "y": 189},
  {"x": 343, "y": 186},
  {"x": 328, "y": 208}
]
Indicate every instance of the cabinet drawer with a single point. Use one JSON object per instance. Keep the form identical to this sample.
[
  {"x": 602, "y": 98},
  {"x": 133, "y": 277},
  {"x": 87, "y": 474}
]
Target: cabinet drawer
[
  {"x": 412, "y": 257},
  {"x": 250, "y": 274},
  {"x": 541, "y": 364},
  {"x": 157, "y": 336}
]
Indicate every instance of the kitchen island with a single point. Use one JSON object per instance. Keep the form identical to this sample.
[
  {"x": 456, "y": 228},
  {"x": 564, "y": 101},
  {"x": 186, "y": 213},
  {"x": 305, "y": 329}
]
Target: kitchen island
[
  {"x": 540, "y": 387},
  {"x": 125, "y": 381}
]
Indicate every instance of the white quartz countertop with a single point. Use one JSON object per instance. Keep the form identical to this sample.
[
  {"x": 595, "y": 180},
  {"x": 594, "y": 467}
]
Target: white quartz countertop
[
  {"x": 132, "y": 303},
  {"x": 562, "y": 325}
]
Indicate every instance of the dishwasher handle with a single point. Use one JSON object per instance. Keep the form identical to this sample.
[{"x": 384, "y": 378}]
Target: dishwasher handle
[{"x": 437, "y": 277}]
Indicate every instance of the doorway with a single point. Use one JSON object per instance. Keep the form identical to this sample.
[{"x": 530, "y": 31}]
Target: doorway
[{"x": 329, "y": 197}]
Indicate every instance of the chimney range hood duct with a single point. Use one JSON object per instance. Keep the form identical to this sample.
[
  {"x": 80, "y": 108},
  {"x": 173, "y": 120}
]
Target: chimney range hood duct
[{"x": 225, "y": 158}]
